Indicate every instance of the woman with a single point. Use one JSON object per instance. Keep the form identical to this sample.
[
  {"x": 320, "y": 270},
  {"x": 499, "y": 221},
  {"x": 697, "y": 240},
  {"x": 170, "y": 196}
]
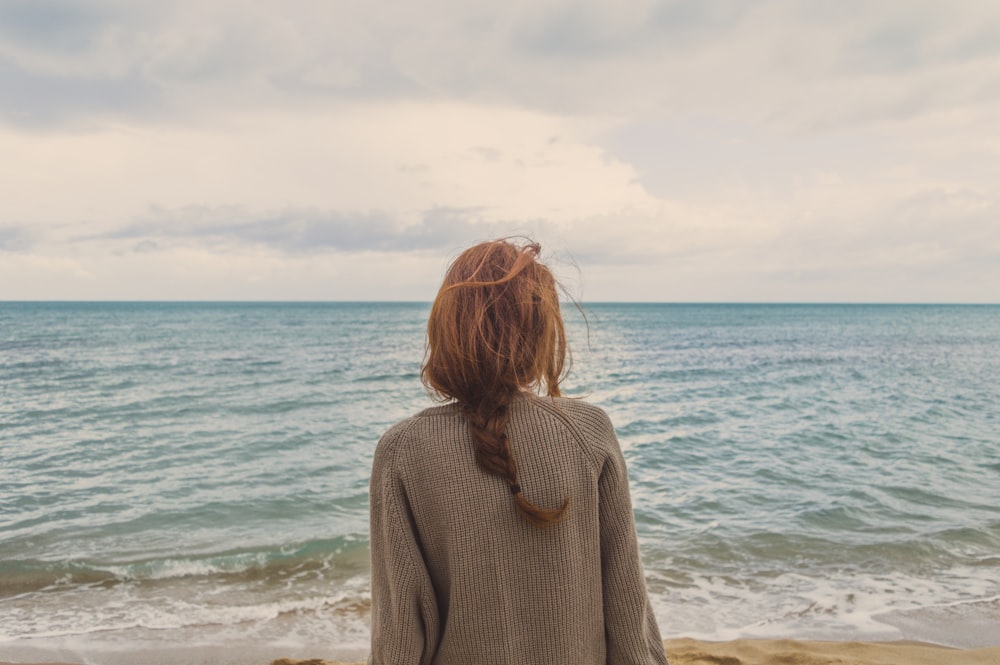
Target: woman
[{"x": 501, "y": 524}]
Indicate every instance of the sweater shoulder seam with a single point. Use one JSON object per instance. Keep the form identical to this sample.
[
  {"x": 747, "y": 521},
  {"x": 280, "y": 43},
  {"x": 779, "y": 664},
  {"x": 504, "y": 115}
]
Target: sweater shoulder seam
[{"x": 581, "y": 440}]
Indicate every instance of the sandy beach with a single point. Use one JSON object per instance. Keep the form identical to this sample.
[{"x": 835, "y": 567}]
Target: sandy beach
[
  {"x": 783, "y": 652},
  {"x": 794, "y": 652}
]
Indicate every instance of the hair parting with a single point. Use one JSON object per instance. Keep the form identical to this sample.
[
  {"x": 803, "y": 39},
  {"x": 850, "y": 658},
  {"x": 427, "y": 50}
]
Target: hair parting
[{"x": 496, "y": 330}]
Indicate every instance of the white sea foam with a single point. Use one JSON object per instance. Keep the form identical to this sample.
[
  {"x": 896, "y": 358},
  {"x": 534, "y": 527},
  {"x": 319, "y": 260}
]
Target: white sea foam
[
  {"x": 188, "y": 567},
  {"x": 124, "y": 611},
  {"x": 855, "y": 606}
]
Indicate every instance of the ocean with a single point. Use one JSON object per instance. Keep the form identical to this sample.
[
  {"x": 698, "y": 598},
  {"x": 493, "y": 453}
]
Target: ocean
[{"x": 189, "y": 480}]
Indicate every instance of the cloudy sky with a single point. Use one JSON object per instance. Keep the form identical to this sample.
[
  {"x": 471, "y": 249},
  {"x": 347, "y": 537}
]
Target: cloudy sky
[{"x": 707, "y": 150}]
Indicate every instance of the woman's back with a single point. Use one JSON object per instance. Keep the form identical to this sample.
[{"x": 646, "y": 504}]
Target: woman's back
[
  {"x": 463, "y": 579},
  {"x": 501, "y": 525}
]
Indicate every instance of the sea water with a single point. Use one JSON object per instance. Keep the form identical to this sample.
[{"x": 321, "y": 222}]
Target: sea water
[{"x": 189, "y": 480}]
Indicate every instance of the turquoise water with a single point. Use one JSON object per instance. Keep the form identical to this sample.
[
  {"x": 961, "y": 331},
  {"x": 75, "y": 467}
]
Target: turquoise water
[{"x": 191, "y": 479}]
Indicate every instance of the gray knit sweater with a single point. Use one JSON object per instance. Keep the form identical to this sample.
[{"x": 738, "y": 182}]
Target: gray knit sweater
[{"x": 459, "y": 579}]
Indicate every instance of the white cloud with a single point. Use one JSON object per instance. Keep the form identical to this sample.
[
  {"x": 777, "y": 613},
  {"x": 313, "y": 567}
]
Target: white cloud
[
  {"x": 509, "y": 164},
  {"x": 689, "y": 151}
]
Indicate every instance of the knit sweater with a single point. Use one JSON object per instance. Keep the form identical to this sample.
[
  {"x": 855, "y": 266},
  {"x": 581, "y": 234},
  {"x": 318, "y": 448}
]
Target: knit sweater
[{"x": 458, "y": 578}]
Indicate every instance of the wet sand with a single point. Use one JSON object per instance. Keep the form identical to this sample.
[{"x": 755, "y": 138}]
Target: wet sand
[
  {"x": 794, "y": 652},
  {"x": 785, "y": 652}
]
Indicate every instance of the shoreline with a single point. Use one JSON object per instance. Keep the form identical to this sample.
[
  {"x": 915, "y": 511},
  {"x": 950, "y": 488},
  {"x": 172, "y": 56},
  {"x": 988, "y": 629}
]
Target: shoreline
[{"x": 688, "y": 651}]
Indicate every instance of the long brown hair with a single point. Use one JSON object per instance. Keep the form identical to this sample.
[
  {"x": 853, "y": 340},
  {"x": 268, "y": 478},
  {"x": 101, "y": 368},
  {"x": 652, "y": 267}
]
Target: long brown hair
[{"x": 495, "y": 329}]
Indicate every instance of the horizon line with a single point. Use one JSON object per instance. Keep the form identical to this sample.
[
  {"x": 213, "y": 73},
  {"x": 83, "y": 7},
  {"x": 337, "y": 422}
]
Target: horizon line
[{"x": 428, "y": 302}]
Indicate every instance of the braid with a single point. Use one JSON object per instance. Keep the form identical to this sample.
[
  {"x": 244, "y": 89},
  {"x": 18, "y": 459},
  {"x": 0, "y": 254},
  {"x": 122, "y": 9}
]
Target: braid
[{"x": 488, "y": 426}]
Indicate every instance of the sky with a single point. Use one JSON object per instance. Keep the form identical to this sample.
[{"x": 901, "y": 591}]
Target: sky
[{"x": 697, "y": 151}]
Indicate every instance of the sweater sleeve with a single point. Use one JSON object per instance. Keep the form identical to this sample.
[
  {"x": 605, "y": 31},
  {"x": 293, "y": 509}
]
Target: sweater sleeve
[
  {"x": 404, "y": 621},
  {"x": 632, "y": 635}
]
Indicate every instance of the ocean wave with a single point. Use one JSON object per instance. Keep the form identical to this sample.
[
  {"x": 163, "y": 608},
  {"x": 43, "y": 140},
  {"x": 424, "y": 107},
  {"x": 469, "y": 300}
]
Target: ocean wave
[
  {"x": 339, "y": 557},
  {"x": 43, "y": 616}
]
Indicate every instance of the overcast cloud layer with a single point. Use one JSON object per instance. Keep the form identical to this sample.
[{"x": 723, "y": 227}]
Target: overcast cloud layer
[{"x": 343, "y": 150}]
